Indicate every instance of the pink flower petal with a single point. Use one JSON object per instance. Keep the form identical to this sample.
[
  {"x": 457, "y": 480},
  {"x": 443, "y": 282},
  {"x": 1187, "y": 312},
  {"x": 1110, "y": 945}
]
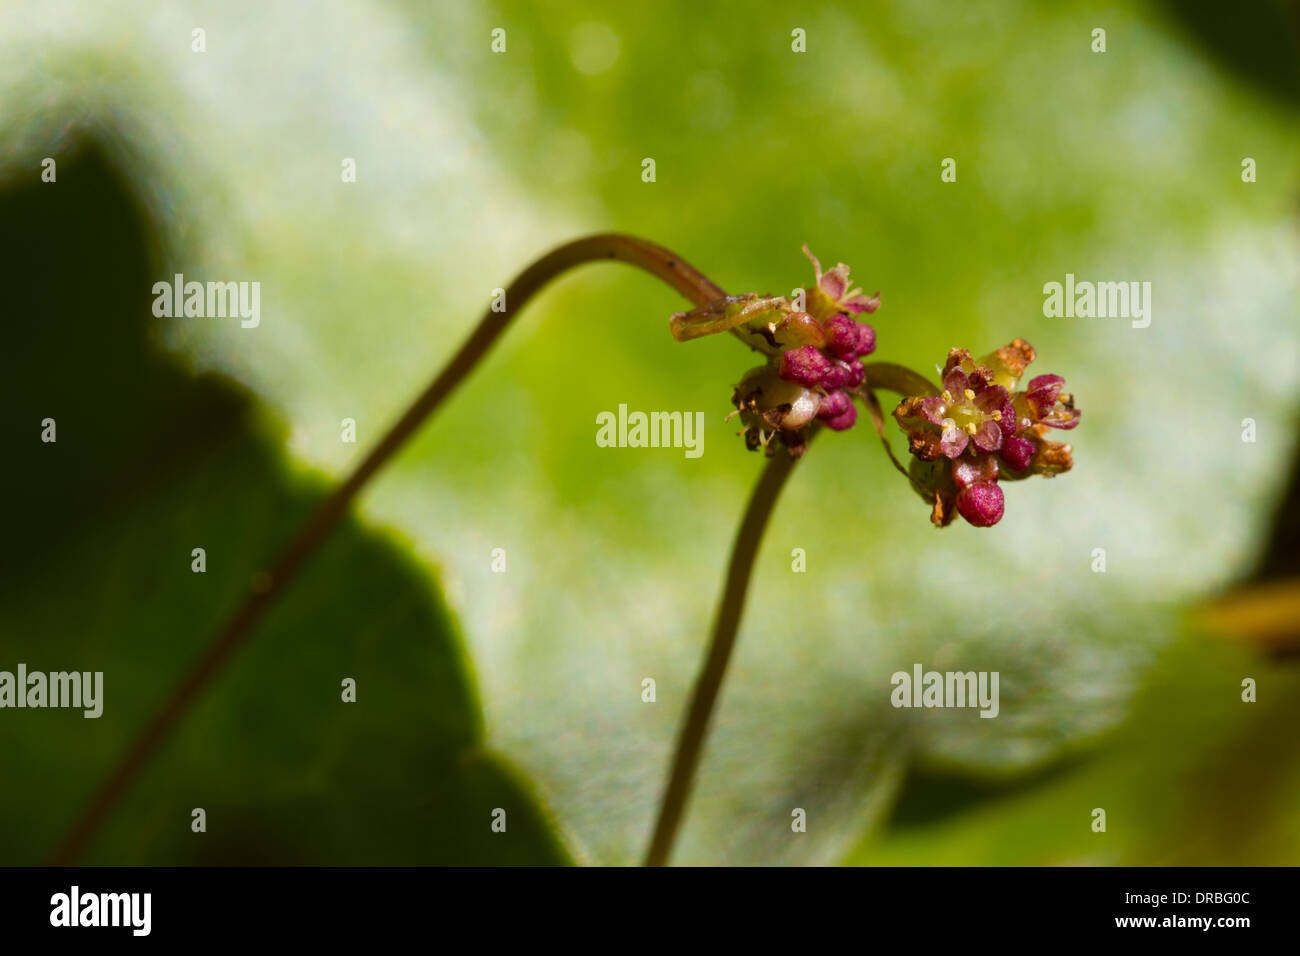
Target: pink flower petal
[
  {"x": 1061, "y": 417},
  {"x": 836, "y": 282},
  {"x": 991, "y": 398},
  {"x": 988, "y": 437},
  {"x": 934, "y": 409},
  {"x": 860, "y": 303},
  {"x": 1045, "y": 381},
  {"x": 1042, "y": 392},
  {"x": 953, "y": 441}
]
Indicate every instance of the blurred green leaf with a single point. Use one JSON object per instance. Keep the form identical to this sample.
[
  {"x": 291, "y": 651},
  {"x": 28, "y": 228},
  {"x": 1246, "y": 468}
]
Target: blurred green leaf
[
  {"x": 1117, "y": 166},
  {"x": 150, "y": 463},
  {"x": 1195, "y": 777}
]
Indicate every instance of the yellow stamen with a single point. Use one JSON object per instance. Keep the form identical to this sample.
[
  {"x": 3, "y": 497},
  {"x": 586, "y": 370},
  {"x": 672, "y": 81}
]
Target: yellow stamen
[
  {"x": 970, "y": 428},
  {"x": 997, "y": 416},
  {"x": 970, "y": 394},
  {"x": 947, "y": 395}
]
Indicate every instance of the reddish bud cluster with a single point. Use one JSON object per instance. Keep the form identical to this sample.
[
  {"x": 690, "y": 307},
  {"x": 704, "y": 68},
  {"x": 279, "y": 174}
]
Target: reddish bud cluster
[
  {"x": 817, "y": 351},
  {"x": 965, "y": 437}
]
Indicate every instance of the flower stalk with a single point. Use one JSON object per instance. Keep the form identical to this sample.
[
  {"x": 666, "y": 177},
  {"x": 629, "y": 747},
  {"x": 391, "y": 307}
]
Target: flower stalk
[
  {"x": 690, "y": 741},
  {"x": 964, "y": 434},
  {"x": 269, "y": 584}
]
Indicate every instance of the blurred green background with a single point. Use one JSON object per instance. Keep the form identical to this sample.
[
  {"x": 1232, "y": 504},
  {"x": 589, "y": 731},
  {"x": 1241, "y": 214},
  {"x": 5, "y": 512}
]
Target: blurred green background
[{"x": 522, "y": 690}]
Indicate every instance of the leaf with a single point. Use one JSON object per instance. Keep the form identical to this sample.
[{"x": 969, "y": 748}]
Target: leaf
[
  {"x": 1229, "y": 799},
  {"x": 151, "y": 462}
]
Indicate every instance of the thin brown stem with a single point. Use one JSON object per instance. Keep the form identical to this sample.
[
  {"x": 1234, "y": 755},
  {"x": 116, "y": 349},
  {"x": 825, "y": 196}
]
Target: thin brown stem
[
  {"x": 690, "y": 741},
  {"x": 893, "y": 378},
  {"x": 268, "y": 585}
]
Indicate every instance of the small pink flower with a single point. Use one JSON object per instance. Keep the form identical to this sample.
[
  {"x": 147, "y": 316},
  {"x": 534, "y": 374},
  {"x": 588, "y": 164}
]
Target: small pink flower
[
  {"x": 834, "y": 293},
  {"x": 816, "y": 351},
  {"x": 985, "y": 431}
]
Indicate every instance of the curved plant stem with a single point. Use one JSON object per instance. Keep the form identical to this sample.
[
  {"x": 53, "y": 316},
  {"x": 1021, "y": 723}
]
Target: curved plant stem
[
  {"x": 894, "y": 378},
  {"x": 898, "y": 378},
  {"x": 268, "y": 585},
  {"x": 691, "y": 739}
]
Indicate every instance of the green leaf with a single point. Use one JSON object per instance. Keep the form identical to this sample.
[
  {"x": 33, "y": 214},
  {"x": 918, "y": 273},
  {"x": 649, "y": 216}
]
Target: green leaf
[
  {"x": 151, "y": 462},
  {"x": 1195, "y": 776}
]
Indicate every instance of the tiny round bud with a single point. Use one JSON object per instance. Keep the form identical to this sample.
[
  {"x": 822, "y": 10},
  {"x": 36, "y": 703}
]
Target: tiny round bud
[
  {"x": 866, "y": 340},
  {"x": 764, "y": 398},
  {"x": 981, "y": 504},
  {"x": 1017, "y": 452},
  {"x": 798, "y": 329},
  {"x": 805, "y": 366},
  {"x": 835, "y": 404},
  {"x": 803, "y": 409},
  {"x": 844, "y": 375},
  {"x": 841, "y": 335},
  {"x": 845, "y": 420}
]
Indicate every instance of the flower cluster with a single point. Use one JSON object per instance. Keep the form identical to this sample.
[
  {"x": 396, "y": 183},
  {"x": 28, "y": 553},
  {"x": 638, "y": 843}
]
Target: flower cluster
[
  {"x": 813, "y": 364},
  {"x": 979, "y": 429}
]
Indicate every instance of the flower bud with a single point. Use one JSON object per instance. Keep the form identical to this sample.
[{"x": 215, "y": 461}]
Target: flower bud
[
  {"x": 843, "y": 374},
  {"x": 770, "y": 406},
  {"x": 804, "y": 366},
  {"x": 838, "y": 411},
  {"x": 813, "y": 354},
  {"x": 841, "y": 335},
  {"x": 866, "y": 340},
  {"x": 981, "y": 504}
]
